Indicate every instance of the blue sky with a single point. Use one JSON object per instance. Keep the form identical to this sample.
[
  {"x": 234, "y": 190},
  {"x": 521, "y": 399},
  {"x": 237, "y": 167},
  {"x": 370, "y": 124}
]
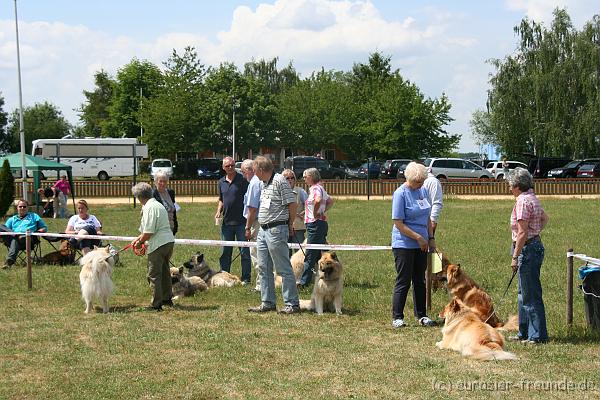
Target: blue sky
[{"x": 442, "y": 46}]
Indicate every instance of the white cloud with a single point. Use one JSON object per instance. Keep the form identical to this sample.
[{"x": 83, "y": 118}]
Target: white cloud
[
  {"x": 541, "y": 10},
  {"x": 59, "y": 60}
]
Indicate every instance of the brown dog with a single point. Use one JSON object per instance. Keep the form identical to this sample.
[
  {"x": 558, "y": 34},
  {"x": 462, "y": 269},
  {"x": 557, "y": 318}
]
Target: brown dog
[
  {"x": 63, "y": 256},
  {"x": 473, "y": 296},
  {"x": 197, "y": 266},
  {"x": 329, "y": 286},
  {"x": 464, "y": 332}
]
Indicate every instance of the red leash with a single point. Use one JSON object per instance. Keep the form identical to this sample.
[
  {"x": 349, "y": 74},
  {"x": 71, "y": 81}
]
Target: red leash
[{"x": 137, "y": 251}]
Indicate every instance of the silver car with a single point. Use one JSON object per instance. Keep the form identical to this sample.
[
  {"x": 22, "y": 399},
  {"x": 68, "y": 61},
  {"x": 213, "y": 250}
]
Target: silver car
[{"x": 444, "y": 168}]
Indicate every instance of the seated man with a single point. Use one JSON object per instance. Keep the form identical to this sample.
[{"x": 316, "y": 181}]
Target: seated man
[{"x": 22, "y": 222}]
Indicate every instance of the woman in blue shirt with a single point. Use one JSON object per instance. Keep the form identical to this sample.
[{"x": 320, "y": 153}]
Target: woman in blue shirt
[{"x": 412, "y": 236}]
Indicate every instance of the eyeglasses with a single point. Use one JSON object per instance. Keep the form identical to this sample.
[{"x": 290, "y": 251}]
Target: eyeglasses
[
  {"x": 290, "y": 178},
  {"x": 21, "y": 206},
  {"x": 228, "y": 166}
]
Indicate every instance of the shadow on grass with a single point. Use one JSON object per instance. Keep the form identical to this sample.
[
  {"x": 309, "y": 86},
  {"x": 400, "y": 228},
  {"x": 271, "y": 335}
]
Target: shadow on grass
[
  {"x": 361, "y": 285},
  {"x": 128, "y": 308},
  {"x": 577, "y": 336}
]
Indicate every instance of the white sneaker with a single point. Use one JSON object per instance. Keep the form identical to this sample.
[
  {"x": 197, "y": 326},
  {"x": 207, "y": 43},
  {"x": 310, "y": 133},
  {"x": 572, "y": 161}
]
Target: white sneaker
[
  {"x": 398, "y": 323},
  {"x": 426, "y": 321}
]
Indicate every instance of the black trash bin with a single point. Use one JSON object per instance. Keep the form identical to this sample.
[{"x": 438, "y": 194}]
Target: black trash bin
[{"x": 591, "y": 298}]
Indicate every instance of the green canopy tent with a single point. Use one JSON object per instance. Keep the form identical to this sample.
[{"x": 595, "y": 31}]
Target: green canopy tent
[{"x": 37, "y": 165}]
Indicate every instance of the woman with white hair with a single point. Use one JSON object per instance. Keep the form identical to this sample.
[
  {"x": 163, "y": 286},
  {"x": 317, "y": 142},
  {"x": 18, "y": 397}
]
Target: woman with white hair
[
  {"x": 166, "y": 197},
  {"x": 156, "y": 234},
  {"x": 527, "y": 221},
  {"x": 412, "y": 236}
]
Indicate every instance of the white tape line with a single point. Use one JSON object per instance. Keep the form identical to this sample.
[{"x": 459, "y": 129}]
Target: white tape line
[{"x": 214, "y": 243}]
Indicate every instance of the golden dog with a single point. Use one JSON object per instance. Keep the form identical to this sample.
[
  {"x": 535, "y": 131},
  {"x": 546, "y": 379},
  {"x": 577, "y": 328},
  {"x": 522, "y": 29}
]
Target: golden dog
[
  {"x": 183, "y": 286},
  {"x": 95, "y": 277},
  {"x": 465, "y": 332},
  {"x": 198, "y": 266},
  {"x": 473, "y": 296},
  {"x": 329, "y": 286}
]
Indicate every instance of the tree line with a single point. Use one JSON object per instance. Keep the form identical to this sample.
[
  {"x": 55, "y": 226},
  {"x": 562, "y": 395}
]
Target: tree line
[
  {"x": 544, "y": 98},
  {"x": 188, "y": 107}
]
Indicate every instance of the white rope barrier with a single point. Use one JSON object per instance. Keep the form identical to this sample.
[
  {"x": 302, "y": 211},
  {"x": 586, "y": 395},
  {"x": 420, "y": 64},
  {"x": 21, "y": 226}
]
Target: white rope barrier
[
  {"x": 214, "y": 243},
  {"x": 590, "y": 260}
]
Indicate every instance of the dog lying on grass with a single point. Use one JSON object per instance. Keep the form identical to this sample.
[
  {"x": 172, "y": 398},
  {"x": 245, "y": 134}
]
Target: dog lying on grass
[
  {"x": 197, "y": 266},
  {"x": 465, "y": 332},
  {"x": 96, "y": 277},
  {"x": 63, "y": 256},
  {"x": 329, "y": 286},
  {"x": 473, "y": 296},
  {"x": 184, "y": 286}
]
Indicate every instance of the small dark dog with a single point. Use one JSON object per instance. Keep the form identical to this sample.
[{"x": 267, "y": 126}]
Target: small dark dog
[
  {"x": 198, "y": 266},
  {"x": 65, "y": 255}
]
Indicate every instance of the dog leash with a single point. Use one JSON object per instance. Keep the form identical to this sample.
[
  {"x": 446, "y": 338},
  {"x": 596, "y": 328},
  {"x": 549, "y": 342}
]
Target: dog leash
[
  {"x": 503, "y": 295},
  {"x": 138, "y": 252}
]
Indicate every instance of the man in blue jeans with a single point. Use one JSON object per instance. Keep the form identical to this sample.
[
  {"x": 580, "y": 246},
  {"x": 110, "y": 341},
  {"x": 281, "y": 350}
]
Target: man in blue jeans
[
  {"x": 232, "y": 188},
  {"x": 276, "y": 215}
]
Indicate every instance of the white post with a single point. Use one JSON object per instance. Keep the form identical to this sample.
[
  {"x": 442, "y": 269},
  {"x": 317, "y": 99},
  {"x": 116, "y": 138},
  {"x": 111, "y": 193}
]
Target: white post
[
  {"x": 141, "y": 128},
  {"x": 21, "y": 127},
  {"x": 233, "y": 141}
]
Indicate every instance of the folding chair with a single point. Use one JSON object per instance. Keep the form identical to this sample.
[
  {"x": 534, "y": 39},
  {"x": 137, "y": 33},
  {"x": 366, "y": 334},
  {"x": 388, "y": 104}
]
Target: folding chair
[{"x": 36, "y": 252}]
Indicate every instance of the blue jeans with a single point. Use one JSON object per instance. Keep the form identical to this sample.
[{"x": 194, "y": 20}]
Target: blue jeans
[
  {"x": 316, "y": 234},
  {"x": 231, "y": 232},
  {"x": 532, "y": 314},
  {"x": 272, "y": 252}
]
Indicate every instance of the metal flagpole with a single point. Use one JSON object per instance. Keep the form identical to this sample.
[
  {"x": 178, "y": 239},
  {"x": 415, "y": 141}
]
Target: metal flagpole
[{"x": 21, "y": 128}]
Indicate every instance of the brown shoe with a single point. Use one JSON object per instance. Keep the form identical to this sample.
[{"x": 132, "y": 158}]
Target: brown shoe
[{"x": 263, "y": 308}]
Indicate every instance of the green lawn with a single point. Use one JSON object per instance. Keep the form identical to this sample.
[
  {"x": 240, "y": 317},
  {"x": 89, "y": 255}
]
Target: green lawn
[{"x": 209, "y": 346}]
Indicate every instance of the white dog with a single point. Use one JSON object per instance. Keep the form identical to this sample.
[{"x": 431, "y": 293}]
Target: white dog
[{"x": 95, "y": 277}]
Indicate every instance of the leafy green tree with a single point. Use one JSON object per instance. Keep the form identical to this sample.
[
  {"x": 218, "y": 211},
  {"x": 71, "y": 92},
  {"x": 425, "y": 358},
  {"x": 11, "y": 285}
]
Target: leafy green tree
[
  {"x": 42, "y": 121},
  {"x": 126, "y": 100},
  {"x": 174, "y": 118},
  {"x": 7, "y": 188},
  {"x": 4, "y": 138},
  {"x": 394, "y": 117},
  {"x": 481, "y": 127},
  {"x": 94, "y": 112},
  {"x": 544, "y": 98}
]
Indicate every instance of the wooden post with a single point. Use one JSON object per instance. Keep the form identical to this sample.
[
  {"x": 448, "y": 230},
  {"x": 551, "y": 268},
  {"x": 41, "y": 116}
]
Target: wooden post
[
  {"x": 570, "y": 288},
  {"x": 28, "y": 256},
  {"x": 428, "y": 282}
]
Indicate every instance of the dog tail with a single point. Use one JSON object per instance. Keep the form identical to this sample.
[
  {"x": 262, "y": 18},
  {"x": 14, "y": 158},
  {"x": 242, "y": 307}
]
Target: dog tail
[
  {"x": 492, "y": 353},
  {"x": 306, "y": 305},
  {"x": 511, "y": 325}
]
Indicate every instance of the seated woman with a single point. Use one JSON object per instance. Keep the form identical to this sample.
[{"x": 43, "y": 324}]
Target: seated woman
[{"x": 84, "y": 224}]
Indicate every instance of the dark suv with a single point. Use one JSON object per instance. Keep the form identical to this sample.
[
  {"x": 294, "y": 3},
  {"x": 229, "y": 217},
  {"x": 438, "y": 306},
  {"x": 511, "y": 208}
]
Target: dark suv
[
  {"x": 539, "y": 167},
  {"x": 299, "y": 164},
  {"x": 389, "y": 170}
]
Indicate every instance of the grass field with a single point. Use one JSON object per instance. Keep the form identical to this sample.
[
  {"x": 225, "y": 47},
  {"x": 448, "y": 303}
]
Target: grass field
[{"x": 210, "y": 347}]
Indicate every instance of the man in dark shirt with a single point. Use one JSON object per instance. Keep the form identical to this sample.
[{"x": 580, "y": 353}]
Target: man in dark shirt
[{"x": 232, "y": 188}]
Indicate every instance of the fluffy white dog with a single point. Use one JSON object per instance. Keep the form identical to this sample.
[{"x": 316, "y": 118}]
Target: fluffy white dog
[{"x": 95, "y": 277}]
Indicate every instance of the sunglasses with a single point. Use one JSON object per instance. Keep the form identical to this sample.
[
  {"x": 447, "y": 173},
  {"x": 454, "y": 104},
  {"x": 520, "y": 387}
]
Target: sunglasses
[
  {"x": 21, "y": 206},
  {"x": 290, "y": 178},
  {"x": 228, "y": 166}
]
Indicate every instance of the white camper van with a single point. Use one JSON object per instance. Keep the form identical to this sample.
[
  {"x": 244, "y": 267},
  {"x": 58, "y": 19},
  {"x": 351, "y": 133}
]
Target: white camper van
[{"x": 93, "y": 157}]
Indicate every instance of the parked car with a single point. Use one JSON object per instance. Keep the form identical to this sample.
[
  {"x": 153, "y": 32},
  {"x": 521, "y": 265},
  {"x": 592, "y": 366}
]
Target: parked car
[
  {"x": 351, "y": 168},
  {"x": 238, "y": 167},
  {"x": 539, "y": 167},
  {"x": 299, "y": 164},
  {"x": 201, "y": 168},
  {"x": 444, "y": 168},
  {"x": 569, "y": 170},
  {"x": 374, "y": 168},
  {"x": 495, "y": 168},
  {"x": 163, "y": 165},
  {"x": 389, "y": 169},
  {"x": 589, "y": 169}
]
